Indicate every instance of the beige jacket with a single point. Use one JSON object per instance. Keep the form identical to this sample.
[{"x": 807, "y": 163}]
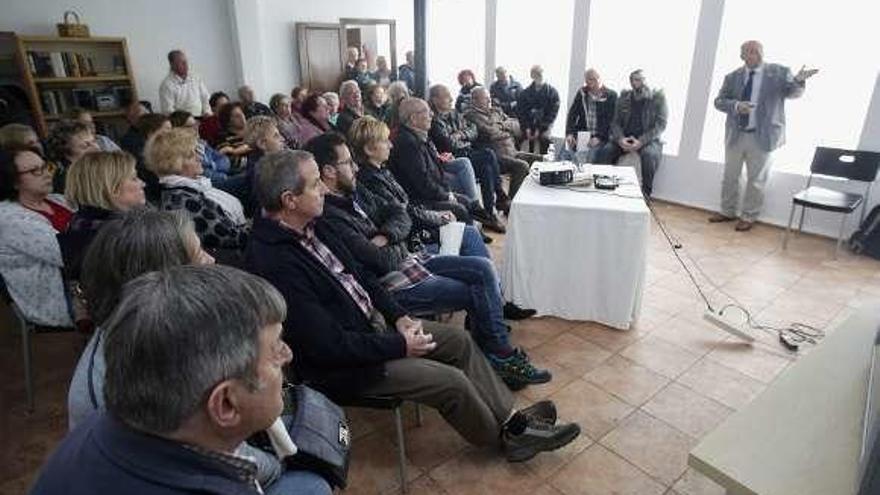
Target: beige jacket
[{"x": 495, "y": 129}]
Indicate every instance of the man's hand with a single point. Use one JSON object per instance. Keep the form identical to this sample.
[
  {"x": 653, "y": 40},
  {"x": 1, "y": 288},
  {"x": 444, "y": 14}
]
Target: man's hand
[
  {"x": 379, "y": 240},
  {"x": 446, "y": 157},
  {"x": 805, "y": 74},
  {"x": 635, "y": 144},
  {"x": 744, "y": 107},
  {"x": 447, "y": 216},
  {"x": 418, "y": 343}
]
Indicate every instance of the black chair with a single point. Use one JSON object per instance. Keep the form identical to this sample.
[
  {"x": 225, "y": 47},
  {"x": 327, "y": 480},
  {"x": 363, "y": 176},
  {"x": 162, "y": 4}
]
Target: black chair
[
  {"x": 852, "y": 165},
  {"x": 393, "y": 404}
]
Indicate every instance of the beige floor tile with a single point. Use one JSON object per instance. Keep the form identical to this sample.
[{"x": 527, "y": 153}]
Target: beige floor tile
[
  {"x": 725, "y": 385},
  {"x": 687, "y": 410},
  {"x": 692, "y": 333},
  {"x": 660, "y": 356},
  {"x": 572, "y": 352},
  {"x": 621, "y": 377},
  {"x": 533, "y": 332},
  {"x": 655, "y": 447},
  {"x": 481, "y": 471},
  {"x": 432, "y": 443},
  {"x": 374, "y": 465},
  {"x": 562, "y": 376},
  {"x": 598, "y": 471},
  {"x": 694, "y": 483},
  {"x": 750, "y": 360},
  {"x": 597, "y": 411},
  {"x": 608, "y": 338}
]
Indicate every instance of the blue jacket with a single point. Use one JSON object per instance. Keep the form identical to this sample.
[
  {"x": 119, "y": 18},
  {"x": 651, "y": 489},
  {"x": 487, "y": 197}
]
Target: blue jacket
[{"x": 104, "y": 456}]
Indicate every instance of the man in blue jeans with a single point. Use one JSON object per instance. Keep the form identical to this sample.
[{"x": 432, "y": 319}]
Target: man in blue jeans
[{"x": 421, "y": 283}]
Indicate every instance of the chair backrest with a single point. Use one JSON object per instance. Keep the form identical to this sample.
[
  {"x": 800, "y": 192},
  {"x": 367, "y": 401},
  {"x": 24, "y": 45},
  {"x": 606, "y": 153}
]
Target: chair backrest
[{"x": 848, "y": 164}]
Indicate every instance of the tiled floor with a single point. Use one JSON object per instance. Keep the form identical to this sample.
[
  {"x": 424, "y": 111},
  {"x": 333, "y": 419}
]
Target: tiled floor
[{"x": 644, "y": 398}]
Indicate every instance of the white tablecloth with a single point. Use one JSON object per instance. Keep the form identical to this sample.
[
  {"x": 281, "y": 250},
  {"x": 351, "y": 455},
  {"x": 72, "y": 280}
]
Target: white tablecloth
[{"x": 578, "y": 255}]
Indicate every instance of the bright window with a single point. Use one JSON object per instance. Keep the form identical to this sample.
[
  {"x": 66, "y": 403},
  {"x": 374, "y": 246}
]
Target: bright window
[
  {"x": 625, "y": 35},
  {"x": 835, "y": 38},
  {"x": 529, "y": 33},
  {"x": 456, "y": 40}
]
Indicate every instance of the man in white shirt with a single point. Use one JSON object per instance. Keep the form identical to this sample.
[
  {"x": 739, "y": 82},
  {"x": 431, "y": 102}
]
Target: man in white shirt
[
  {"x": 183, "y": 90},
  {"x": 753, "y": 97}
]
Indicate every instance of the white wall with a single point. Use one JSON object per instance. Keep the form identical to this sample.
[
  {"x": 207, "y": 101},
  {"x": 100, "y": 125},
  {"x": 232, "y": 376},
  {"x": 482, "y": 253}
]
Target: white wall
[{"x": 199, "y": 27}]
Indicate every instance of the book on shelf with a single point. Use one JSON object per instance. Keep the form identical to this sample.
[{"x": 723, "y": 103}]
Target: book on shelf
[
  {"x": 56, "y": 102},
  {"x": 61, "y": 64}
]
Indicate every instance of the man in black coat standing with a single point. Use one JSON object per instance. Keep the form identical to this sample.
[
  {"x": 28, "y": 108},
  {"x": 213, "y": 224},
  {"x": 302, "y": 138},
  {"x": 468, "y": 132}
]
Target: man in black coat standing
[{"x": 537, "y": 107}]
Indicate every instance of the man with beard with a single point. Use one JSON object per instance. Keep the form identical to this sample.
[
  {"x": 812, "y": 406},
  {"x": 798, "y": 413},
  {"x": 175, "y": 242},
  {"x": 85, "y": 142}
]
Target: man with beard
[{"x": 639, "y": 120}]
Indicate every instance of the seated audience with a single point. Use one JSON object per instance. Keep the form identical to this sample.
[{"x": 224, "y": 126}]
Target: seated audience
[
  {"x": 350, "y": 339},
  {"x": 352, "y": 55},
  {"x": 210, "y": 128},
  {"x": 30, "y": 219},
  {"x": 451, "y": 133},
  {"x": 101, "y": 186},
  {"x": 297, "y": 96},
  {"x": 135, "y": 140},
  {"x": 315, "y": 118},
  {"x": 249, "y": 104},
  {"x": 352, "y": 105},
  {"x": 381, "y": 192},
  {"x": 233, "y": 124},
  {"x": 218, "y": 215},
  {"x": 264, "y": 137},
  {"x": 194, "y": 361},
  {"x": 82, "y": 115},
  {"x": 407, "y": 72},
  {"x": 497, "y": 131},
  {"x": 504, "y": 91},
  {"x": 287, "y": 124},
  {"x": 182, "y": 89},
  {"x": 468, "y": 82},
  {"x": 639, "y": 121},
  {"x": 537, "y": 107},
  {"x": 591, "y": 111},
  {"x": 376, "y": 104},
  {"x": 383, "y": 75},
  {"x": 137, "y": 109},
  {"x": 19, "y": 135},
  {"x": 332, "y": 100},
  {"x": 396, "y": 93},
  {"x": 421, "y": 283},
  {"x": 424, "y": 173},
  {"x": 215, "y": 165},
  {"x": 68, "y": 141}
]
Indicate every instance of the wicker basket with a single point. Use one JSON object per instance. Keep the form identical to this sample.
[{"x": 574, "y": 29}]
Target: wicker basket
[{"x": 69, "y": 29}]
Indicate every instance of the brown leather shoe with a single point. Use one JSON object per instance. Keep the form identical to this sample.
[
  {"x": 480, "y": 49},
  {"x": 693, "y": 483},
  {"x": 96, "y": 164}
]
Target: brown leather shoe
[
  {"x": 718, "y": 218},
  {"x": 743, "y": 226}
]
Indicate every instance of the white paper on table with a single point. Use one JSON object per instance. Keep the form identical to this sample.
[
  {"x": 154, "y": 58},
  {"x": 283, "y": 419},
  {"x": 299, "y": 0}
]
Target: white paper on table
[
  {"x": 451, "y": 235},
  {"x": 583, "y": 141},
  {"x": 280, "y": 439}
]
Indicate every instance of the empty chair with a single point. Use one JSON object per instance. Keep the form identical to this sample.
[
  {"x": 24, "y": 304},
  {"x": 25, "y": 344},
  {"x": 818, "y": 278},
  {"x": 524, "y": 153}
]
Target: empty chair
[{"x": 852, "y": 165}]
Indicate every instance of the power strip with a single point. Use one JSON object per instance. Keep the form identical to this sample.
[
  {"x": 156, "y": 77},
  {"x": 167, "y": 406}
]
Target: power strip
[{"x": 722, "y": 324}]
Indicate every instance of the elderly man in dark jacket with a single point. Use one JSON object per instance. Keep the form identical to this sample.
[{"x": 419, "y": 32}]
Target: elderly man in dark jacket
[
  {"x": 504, "y": 91},
  {"x": 591, "y": 112},
  {"x": 639, "y": 121},
  {"x": 350, "y": 338},
  {"x": 537, "y": 107},
  {"x": 417, "y": 165},
  {"x": 451, "y": 133}
]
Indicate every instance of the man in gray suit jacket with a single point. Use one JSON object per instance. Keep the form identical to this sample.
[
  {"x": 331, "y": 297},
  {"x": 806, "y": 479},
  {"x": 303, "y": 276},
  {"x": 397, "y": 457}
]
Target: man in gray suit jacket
[{"x": 753, "y": 97}]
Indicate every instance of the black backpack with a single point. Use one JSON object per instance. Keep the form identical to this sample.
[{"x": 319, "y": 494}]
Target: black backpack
[{"x": 866, "y": 240}]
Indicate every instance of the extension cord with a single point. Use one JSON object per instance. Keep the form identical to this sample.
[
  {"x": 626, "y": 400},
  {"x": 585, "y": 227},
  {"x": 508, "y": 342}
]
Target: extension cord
[{"x": 726, "y": 326}]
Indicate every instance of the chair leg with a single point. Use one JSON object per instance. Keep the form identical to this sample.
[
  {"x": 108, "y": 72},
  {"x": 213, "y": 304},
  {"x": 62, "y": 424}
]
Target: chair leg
[
  {"x": 418, "y": 414},
  {"x": 788, "y": 227},
  {"x": 28, "y": 365},
  {"x": 840, "y": 235},
  {"x": 801, "y": 223},
  {"x": 401, "y": 449}
]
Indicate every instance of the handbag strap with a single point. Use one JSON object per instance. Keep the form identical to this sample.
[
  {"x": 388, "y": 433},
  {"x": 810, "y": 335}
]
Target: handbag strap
[{"x": 92, "y": 395}]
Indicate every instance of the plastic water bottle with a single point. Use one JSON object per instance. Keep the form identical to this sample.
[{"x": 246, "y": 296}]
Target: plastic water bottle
[{"x": 550, "y": 156}]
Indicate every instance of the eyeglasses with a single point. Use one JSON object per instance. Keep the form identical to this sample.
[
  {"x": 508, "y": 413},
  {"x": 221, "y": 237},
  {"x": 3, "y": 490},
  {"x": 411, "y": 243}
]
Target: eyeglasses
[
  {"x": 46, "y": 167},
  {"x": 348, "y": 162}
]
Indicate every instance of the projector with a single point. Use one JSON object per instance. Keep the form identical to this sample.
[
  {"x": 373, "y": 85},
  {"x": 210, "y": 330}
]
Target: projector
[{"x": 554, "y": 173}]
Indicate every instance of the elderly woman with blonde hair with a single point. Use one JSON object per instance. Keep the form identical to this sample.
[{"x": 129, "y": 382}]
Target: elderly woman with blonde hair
[{"x": 218, "y": 216}]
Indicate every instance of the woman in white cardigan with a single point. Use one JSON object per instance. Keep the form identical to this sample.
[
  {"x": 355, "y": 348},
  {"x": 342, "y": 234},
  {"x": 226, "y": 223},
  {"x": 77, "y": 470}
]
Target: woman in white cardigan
[{"x": 30, "y": 218}]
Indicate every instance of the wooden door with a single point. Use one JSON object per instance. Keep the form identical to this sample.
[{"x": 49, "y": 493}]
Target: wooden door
[{"x": 321, "y": 55}]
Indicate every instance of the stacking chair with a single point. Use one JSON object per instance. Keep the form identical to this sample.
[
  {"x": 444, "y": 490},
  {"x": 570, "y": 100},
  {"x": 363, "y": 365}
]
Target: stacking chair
[
  {"x": 860, "y": 166},
  {"x": 26, "y": 328}
]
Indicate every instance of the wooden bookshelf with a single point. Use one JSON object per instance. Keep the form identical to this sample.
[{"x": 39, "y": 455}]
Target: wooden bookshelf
[{"x": 60, "y": 73}]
